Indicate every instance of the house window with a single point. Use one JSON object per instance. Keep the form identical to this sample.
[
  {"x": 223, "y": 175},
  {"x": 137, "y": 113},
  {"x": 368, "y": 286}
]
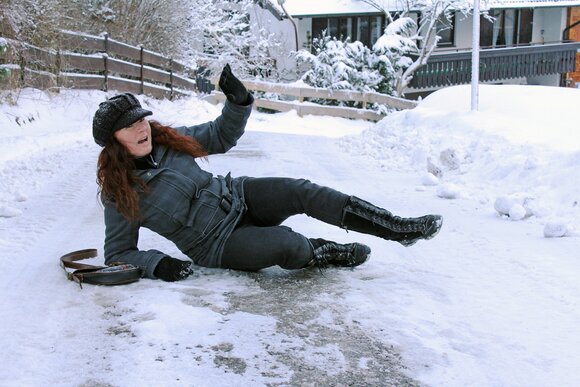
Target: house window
[
  {"x": 510, "y": 27},
  {"x": 375, "y": 29},
  {"x": 366, "y": 29},
  {"x": 345, "y": 24},
  {"x": 333, "y": 27},
  {"x": 362, "y": 31},
  {"x": 446, "y": 31}
]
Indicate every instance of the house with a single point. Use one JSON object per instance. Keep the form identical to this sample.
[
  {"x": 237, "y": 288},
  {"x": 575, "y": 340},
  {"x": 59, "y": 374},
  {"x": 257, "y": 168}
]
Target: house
[{"x": 528, "y": 42}]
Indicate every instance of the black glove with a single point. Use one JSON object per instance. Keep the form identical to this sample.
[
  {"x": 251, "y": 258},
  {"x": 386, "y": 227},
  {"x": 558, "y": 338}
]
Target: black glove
[
  {"x": 234, "y": 90},
  {"x": 171, "y": 269}
]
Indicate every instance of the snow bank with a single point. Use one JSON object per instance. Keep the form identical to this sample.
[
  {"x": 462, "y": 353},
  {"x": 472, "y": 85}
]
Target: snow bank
[{"x": 520, "y": 153}]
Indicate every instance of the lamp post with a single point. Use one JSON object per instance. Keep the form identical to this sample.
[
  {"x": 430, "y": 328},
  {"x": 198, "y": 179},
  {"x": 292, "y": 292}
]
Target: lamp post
[
  {"x": 281, "y": 4},
  {"x": 475, "y": 58}
]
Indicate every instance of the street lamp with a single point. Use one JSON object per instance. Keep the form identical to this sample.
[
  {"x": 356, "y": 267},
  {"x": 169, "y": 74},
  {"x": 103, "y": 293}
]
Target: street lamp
[
  {"x": 281, "y": 4},
  {"x": 475, "y": 58}
]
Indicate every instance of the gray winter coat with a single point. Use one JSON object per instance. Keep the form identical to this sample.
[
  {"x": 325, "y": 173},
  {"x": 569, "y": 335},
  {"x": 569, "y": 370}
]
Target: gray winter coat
[{"x": 184, "y": 203}]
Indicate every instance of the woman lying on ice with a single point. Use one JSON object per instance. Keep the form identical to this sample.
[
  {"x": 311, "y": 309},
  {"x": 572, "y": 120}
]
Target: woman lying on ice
[{"x": 149, "y": 177}]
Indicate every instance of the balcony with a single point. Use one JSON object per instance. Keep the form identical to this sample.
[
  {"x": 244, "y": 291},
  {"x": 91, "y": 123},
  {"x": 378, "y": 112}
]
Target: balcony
[{"x": 445, "y": 68}]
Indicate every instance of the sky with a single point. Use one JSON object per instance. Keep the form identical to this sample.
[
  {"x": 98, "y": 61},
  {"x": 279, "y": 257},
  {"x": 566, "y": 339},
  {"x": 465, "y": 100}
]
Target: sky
[{"x": 491, "y": 301}]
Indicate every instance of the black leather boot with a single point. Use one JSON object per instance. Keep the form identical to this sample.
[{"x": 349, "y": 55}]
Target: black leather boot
[
  {"x": 359, "y": 215},
  {"x": 332, "y": 253}
]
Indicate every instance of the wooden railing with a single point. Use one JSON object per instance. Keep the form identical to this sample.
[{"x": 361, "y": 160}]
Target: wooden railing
[
  {"x": 92, "y": 62},
  {"x": 454, "y": 68},
  {"x": 304, "y": 108}
]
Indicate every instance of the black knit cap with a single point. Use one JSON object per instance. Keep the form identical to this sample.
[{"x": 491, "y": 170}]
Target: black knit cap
[{"x": 116, "y": 113}]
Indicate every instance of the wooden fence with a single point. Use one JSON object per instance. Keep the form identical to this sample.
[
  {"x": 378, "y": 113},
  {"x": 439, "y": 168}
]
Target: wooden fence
[
  {"x": 93, "y": 62},
  {"x": 304, "y": 108}
]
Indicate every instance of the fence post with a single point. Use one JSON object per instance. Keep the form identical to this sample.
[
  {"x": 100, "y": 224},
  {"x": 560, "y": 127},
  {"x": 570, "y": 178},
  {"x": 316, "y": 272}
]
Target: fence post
[
  {"x": 58, "y": 67},
  {"x": 141, "y": 69},
  {"x": 106, "y": 63},
  {"x": 22, "y": 63},
  {"x": 171, "y": 78}
]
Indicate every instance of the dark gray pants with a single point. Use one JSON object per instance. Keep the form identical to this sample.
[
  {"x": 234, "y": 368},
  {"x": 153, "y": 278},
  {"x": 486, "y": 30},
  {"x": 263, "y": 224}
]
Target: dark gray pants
[{"x": 259, "y": 241}]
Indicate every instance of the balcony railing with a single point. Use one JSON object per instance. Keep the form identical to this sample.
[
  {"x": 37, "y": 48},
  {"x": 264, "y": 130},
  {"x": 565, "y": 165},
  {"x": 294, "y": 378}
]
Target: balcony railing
[{"x": 454, "y": 68}]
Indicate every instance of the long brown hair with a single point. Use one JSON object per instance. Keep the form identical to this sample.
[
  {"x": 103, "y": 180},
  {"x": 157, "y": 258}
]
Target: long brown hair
[{"x": 115, "y": 167}]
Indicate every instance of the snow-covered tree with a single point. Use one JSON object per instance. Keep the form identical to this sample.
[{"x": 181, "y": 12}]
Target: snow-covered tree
[
  {"x": 208, "y": 33},
  {"x": 226, "y": 31},
  {"x": 408, "y": 37},
  {"x": 342, "y": 65}
]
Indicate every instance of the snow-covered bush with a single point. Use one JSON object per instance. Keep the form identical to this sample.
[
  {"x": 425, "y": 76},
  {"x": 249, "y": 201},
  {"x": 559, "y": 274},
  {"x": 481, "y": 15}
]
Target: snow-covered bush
[
  {"x": 3, "y": 45},
  {"x": 4, "y": 73},
  {"x": 342, "y": 65},
  {"x": 337, "y": 64}
]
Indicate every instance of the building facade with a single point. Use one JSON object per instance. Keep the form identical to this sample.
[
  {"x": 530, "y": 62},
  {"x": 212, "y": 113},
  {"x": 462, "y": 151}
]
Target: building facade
[{"x": 527, "y": 42}]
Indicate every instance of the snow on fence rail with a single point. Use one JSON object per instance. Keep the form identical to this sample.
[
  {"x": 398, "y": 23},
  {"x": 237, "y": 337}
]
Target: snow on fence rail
[{"x": 94, "y": 62}]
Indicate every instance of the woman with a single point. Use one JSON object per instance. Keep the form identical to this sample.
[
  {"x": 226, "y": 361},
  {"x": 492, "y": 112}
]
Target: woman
[{"x": 148, "y": 177}]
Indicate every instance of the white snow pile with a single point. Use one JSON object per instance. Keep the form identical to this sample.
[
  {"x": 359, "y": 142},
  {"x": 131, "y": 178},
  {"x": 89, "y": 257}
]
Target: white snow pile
[{"x": 519, "y": 153}]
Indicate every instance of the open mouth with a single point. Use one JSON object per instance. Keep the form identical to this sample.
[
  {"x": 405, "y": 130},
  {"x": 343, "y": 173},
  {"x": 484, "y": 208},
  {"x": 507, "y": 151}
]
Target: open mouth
[{"x": 143, "y": 140}]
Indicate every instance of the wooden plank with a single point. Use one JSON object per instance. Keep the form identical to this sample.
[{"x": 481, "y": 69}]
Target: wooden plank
[
  {"x": 82, "y": 81},
  {"x": 117, "y": 66},
  {"x": 74, "y": 41},
  {"x": 184, "y": 82},
  {"x": 71, "y": 61},
  {"x": 339, "y": 95},
  {"x": 117, "y": 48},
  {"x": 157, "y": 92},
  {"x": 307, "y": 109},
  {"x": 280, "y": 106},
  {"x": 181, "y": 68},
  {"x": 151, "y": 74},
  {"x": 39, "y": 58},
  {"x": 152, "y": 58},
  {"x": 126, "y": 85},
  {"x": 39, "y": 79},
  {"x": 397, "y": 103},
  {"x": 441, "y": 74},
  {"x": 334, "y": 111},
  {"x": 430, "y": 74}
]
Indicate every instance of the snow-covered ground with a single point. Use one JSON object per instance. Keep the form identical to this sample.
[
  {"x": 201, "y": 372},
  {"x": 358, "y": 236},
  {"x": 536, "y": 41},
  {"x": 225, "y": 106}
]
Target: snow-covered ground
[{"x": 494, "y": 300}]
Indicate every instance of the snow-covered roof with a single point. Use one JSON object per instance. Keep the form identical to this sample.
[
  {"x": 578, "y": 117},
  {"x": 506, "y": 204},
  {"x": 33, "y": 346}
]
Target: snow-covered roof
[
  {"x": 530, "y": 3},
  {"x": 302, "y": 8},
  {"x": 310, "y": 8}
]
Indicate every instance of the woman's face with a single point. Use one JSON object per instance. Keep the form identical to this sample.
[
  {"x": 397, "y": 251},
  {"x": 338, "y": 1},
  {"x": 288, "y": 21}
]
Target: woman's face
[{"x": 136, "y": 138}]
